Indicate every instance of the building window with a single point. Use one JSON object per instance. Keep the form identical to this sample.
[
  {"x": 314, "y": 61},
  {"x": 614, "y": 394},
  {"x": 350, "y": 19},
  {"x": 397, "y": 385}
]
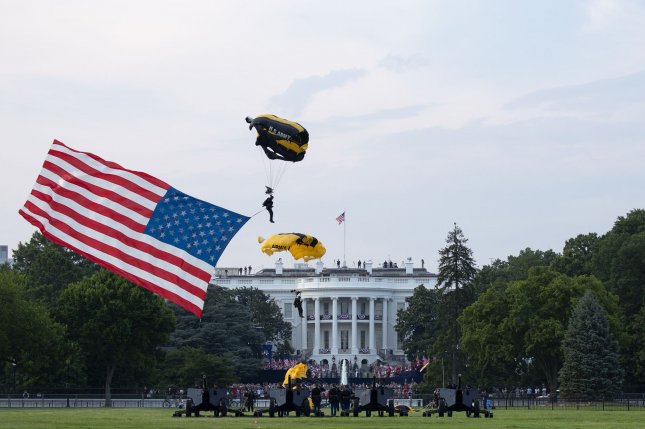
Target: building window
[
  {"x": 363, "y": 307},
  {"x": 363, "y": 339},
  {"x": 288, "y": 310},
  {"x": 344, "y": 307},
  {"x": 344, "y": 339},
  {"x": 326, "y": 339},
  {"x": 326, "y": 308}
]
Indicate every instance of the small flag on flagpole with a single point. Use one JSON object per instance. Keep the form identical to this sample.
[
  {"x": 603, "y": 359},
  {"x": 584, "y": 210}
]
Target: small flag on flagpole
[
  {"x": 341, "y": 218},
  {"x": 131, "y": 223}
]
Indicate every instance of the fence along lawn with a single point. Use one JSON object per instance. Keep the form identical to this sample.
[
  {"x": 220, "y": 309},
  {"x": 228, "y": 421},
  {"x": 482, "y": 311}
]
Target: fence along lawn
[{"x": 136, "y": 418}]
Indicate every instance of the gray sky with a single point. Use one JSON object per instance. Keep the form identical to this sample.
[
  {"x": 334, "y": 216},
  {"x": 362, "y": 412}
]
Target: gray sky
[{"x": 522, "y": 121}]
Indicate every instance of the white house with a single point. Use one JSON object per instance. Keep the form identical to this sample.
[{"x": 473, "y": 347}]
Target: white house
[{"x": 349, "y": 313}]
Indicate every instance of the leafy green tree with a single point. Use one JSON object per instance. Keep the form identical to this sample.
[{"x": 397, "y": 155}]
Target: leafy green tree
[
  {"x": 119, "y": 326},
  {"x": 620, "y": 259},
  {"x": 591, "y": 368},
  {"x": 484, "y": 340},
  {"x": 265, "y": 314},
  {"x": 227, "y": 326},
  {"x": 619, "y": 263},
  {"x": 185, "y": 367},
  {"x": 456, "y": 272},
  {"x": 33, "y": 347},
  {"x": 418, "y": 325},
  {"x": 525, "y": 323},
  {"x": 499, "y": 273},
  {"x": 48, "y": 267},
  {"x": 577, "y": 255}
]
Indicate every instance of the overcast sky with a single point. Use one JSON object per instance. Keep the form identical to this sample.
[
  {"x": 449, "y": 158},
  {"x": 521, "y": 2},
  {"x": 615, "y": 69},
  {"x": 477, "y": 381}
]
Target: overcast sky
[{"x": 521, "y": 121}]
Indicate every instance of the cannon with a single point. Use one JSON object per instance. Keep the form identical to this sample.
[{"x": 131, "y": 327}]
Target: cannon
[
  {"x": 459, "y": 399},
  {"x": 377, "y": 398},
  {"x": 286, "y": 399},
  {"x": 206, "y": 399}
]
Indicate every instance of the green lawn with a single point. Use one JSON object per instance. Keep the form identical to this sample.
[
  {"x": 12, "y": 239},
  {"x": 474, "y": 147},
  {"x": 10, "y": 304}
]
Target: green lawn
[{"x": 97, "y": 418}]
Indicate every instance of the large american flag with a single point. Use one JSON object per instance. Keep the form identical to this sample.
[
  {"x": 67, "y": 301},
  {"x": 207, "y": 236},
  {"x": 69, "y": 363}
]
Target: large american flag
[
  {"x": 131, "y": 223},
  {"x": 341, "y": 218}
]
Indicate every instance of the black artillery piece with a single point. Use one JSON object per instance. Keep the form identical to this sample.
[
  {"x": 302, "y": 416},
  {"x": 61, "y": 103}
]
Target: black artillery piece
[
  {"x": 284, "y": 400},
  {"x": 378, "y": 399},
  {"x": 206, "y": 399},
  {"x": 450, "y": 400}
]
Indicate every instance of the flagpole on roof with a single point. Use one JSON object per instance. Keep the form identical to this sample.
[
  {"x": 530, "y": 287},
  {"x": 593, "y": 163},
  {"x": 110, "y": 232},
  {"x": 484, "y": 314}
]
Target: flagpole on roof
[{"x": 344, "y": 236}]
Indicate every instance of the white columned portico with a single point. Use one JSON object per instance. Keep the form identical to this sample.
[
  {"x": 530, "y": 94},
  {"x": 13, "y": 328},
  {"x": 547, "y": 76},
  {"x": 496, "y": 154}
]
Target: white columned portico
[
  {"x": 372, "y": 343},
  {"x": 316, "y": 325},
  {"x": 303, "y": 320},
  {"x": 354, "y": 325},
  {"x": 334, "y": 326},
  {"x": 385, "y": 311}
]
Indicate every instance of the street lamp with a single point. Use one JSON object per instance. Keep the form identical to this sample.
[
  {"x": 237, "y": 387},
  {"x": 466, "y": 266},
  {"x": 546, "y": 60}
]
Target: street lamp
[
  {"x": 13, "y": 365},
  {"x": 67, "y": 361}
]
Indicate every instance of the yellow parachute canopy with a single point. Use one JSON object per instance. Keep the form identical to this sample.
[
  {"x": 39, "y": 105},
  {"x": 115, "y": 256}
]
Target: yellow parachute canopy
[
  {"x": 301, "y": 246},
  {"x": 296, "y": 372}
]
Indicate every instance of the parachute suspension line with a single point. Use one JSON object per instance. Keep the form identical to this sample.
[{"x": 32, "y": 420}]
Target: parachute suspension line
[
  {"x": 267, "y": 168},
  {"x": 279, "y": 173},
  {"x": 255, "y": 214}
]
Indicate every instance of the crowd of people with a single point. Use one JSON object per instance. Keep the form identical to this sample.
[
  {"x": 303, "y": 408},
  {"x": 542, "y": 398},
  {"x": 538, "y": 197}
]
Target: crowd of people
[{"x": 324, "y": 370}]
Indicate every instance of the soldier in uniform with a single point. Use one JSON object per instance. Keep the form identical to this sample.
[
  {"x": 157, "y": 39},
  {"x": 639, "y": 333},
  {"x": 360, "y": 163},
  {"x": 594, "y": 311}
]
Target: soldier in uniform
[
  {"x": 334, "y": 399},
  {"x": 297, "y": 302},
  {"x": 345, "y": 398},
  {"x": 316, "y": 398}
]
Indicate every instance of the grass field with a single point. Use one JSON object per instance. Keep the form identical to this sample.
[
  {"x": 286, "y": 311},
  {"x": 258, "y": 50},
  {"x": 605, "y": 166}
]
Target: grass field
[{"x": 122, "y": 418}]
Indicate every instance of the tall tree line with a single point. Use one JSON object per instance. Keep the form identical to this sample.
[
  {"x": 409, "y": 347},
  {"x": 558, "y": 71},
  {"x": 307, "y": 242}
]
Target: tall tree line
[
  {"x": 67, "y": 323},
  {"x": 514, "y": 313}
]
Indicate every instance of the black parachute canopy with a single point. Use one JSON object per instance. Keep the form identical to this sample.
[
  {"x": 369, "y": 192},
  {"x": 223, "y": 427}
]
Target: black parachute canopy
[{"x": 280, "y": 138}]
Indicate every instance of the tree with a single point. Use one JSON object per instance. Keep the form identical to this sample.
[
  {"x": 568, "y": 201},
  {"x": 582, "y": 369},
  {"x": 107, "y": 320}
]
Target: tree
[
  {"x": 485, "y": 342},
  {"x": 418, "y": 325},
  {"x": 265, "y": 314},
  {"x": 525, "y": 322},
  {"x": 118, "y": 325},
  {"x": 456, "y": 272},
  {"x": 227, "y": 326},
  {"x": 49, "y": 268},
  {"x": 186, "y": 366},
  {"x": 499, "y": 273},
  {"x": 591, "y": 368},
  {"x": 33, "y": 348},
  {"x": 620, "y": 263},
  {"x": 577, "y": 255}
]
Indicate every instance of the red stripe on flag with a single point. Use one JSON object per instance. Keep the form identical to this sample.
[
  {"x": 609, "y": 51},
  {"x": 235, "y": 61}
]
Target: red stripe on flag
[
  {"x": 90, "y": 205},
  {"x": 120, "y": 236},
  {"x": 110, "y": 164},
  {"x": 134, "y": 279},
  {"x": 118, "y": 254},
  {"x": 113, "y": 178}
]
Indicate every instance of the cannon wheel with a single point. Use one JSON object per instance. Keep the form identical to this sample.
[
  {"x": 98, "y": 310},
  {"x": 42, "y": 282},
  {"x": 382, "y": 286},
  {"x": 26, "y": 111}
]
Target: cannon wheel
[
  {"x": 390, "y": 408},
  {"x": 272, "y": 408},
  {"x": 305, "y": 409},
  {"x": 476, "y": 412}
]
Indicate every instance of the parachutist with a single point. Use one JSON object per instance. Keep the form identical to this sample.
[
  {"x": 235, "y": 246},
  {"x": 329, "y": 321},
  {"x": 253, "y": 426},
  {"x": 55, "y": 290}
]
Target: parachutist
[
  {"x": 297, "y": 302},
  {"x": 268, "y": 204}
]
